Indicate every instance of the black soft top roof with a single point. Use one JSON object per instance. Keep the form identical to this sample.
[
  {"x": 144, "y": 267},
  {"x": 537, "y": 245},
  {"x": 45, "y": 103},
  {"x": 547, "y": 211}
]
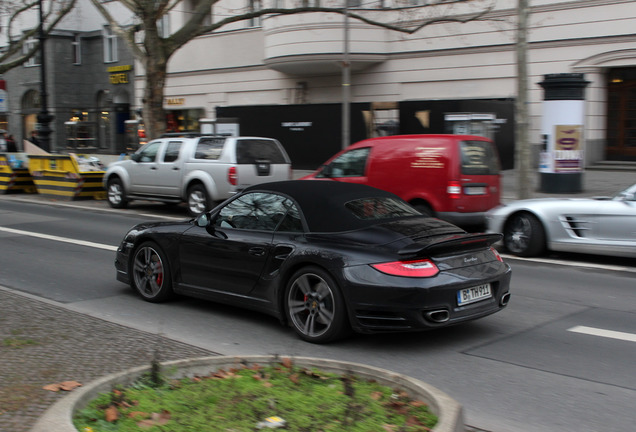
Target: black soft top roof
[{"x": 322, "y": 202}]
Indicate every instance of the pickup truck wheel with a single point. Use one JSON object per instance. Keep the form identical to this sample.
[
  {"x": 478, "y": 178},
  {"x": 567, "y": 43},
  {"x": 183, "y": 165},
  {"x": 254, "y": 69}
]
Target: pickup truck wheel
[
  {"x": 197, "y": 200},
  {"x": 116, "y": 194}
]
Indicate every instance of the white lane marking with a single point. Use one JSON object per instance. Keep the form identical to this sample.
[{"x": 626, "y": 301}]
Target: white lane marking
[
  {"x": 631, "y": 337},
  {"x": 60, "y": 239},
  {"x": 570, "y": 263}
]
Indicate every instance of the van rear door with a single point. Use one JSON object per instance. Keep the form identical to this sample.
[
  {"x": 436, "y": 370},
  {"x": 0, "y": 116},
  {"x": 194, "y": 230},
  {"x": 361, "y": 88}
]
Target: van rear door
[{"x": 478, "y": 189}]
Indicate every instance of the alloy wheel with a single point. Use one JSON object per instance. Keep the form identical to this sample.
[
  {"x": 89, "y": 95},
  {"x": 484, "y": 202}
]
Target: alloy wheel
[
  {"x": 312, "y": 306},
  {"x": 148, "y": 272}
]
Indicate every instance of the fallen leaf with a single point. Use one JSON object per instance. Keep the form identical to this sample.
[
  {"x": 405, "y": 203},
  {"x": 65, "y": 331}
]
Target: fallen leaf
[
  {"x": 389, "y": 428},
  {"x": 294, "y": 378},
  {"x": 65, "y": 385},
  {"x": 138, "y": 415},
  {"x": 111, "y": 414},
  {"x": 52, "y": 387},
  {"x": 376, "y": 395},
  {"x": 417, "y": 403},
  {"x": 287, "y": 362}
]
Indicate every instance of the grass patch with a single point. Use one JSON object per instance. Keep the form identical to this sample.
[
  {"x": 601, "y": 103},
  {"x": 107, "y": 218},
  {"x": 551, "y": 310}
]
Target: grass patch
[
  {"x": 253, "y": 398},
  {"x": 17, "y": 342}
]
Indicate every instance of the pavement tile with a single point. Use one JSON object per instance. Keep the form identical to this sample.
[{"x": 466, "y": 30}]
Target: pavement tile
[{"x": 41, "y": 344}]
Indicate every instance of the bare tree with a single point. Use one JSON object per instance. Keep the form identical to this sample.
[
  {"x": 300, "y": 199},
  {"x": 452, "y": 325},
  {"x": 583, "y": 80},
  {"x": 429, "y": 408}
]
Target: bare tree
[
  {"x": 153, "y": 49},
  {"x": 16, "y": 36}
]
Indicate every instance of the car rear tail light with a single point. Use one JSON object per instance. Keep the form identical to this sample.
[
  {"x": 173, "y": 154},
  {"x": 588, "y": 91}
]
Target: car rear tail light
[
  {"x": 232, "y": 177},
  {"x": 454, "y": 189},
  {"x": 499, "y": 258},
  {"x": 416, "y": 268}
]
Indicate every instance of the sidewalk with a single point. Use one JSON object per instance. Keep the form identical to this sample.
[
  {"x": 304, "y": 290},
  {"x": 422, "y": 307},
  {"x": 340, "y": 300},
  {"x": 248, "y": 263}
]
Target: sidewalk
[
  {"x": 42, "y": 343},
  {"x": 595, "y": 183}
]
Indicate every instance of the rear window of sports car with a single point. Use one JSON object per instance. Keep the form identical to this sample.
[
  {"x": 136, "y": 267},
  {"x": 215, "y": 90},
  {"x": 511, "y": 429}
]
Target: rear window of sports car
[{"x": 380, "y": 208}]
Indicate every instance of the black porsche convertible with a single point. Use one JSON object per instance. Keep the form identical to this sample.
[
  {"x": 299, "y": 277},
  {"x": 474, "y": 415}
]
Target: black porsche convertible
[{"x": 324, "y": 257}]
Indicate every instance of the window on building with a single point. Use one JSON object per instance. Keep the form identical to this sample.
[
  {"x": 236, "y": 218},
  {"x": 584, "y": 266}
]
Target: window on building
[
  {"x": 110, "y": 45},
  {"x": 76, "y": 48},
  {"x": 34, "y": 60},
  {"x": 254, "y": 6}
]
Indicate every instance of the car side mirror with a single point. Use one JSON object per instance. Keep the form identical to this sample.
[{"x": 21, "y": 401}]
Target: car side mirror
[
  {"x": 135, "y": 157},
  {"x": 203, "y": 220},
  {"x": 326, "y": 171}
]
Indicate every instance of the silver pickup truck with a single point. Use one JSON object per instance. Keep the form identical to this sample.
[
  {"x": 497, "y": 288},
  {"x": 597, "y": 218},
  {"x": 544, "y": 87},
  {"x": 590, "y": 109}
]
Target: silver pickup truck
[{"x": 199, "y": 171}]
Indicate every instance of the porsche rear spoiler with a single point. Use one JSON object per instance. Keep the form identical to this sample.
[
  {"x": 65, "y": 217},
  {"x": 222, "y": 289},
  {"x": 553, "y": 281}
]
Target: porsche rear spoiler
[{"x": 451, "y": 244}]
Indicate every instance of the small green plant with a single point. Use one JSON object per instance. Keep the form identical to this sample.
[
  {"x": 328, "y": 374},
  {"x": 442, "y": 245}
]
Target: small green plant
[
  {"x": 18, "y": 342},
  {"x": 253, "y": 397}
]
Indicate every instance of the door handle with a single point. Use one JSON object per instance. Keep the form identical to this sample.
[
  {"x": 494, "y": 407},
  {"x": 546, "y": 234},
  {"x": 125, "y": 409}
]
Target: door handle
[{"x": 257, "y": 251}]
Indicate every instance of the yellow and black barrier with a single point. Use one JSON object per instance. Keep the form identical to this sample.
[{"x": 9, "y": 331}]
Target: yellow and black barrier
[
  {"x": 62, "y": 176},
  {"x": 14, "y": 178}
]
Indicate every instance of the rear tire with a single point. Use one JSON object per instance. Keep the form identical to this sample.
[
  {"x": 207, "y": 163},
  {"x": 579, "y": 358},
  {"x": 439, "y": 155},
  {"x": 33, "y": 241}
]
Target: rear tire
[
  {"x": 116, "y": 194},
  {"x": 197, "y": 199},
  {"x": 315, "y": 307},
  {"x": 524, "y": 235}
]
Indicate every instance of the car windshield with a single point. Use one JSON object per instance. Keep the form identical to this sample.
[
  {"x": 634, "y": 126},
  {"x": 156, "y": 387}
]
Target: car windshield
[{"x": 380, "y": 208}]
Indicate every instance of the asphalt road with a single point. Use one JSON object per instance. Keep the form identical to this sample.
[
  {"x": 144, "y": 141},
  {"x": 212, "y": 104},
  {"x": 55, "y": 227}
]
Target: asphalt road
[{"x": 559, "y": 358}]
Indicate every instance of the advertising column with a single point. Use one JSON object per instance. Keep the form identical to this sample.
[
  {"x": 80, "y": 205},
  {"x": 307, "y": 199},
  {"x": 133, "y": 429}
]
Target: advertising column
[{"x": 562, "y": 156}]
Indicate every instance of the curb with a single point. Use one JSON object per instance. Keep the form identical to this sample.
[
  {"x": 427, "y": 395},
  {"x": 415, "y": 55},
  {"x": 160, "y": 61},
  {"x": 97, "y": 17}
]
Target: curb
[{"x": 58, "y": 418}]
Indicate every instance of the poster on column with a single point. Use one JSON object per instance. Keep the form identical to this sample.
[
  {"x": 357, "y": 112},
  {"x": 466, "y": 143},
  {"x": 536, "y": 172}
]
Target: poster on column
[{"x": 568, "y": 151}]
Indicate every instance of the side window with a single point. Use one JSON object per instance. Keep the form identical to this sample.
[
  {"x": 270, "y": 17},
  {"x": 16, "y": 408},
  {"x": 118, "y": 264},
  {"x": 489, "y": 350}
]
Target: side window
[
  {"x": 209, "y": 148},
  {"x": 148, "y": 153},
  {"x": 291, "y": 221},
  {"x": 259, "y": 211},
  {"x": 172, "y": 151},
  {"x": 349, "y": 164}
]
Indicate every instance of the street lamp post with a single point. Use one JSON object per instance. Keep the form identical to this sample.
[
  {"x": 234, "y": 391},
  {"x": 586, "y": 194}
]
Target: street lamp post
[
  {"x": 346, "y": 81},
  {"x": 44, "y": 118}
]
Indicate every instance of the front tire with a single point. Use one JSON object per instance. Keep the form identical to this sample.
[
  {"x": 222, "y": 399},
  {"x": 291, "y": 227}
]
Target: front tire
[
  {"x": 197, "y": 200},
  {"x": 116, "y": 194},
  {"x": 524, "y": 235},
  {"x": 151, "y": 273},
  {"x": 315, "y": 307}
]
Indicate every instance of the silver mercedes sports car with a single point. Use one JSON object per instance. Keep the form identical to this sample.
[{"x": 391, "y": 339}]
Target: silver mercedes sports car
[{"x": 600, "y": 225}]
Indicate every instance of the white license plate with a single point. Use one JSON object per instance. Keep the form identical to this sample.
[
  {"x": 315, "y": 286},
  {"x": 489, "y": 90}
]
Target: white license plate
[
  {"x": 475, "y": 190},
  {"x": 473, "y": 294}
]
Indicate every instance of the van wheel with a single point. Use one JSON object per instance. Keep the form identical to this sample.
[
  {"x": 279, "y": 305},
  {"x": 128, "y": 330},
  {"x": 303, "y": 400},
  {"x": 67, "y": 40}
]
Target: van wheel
[
  {"x": 197, "y": 200},
  {"x": 425, "y": 209}
]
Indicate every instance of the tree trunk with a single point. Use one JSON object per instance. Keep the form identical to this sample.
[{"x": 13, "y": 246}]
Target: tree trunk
[
  {"x": 153, "y": 113},
  {"x": 523, "y": 154}
]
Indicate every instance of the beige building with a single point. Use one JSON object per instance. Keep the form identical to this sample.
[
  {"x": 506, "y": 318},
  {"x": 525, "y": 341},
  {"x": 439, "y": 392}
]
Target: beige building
[{"x": 282, "y": 76}]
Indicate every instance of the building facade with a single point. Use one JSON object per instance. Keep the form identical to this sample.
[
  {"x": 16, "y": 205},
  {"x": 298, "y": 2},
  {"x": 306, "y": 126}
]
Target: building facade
[
  {"x": 282, "y": 76},
  {"x": 89, "y": 86}
]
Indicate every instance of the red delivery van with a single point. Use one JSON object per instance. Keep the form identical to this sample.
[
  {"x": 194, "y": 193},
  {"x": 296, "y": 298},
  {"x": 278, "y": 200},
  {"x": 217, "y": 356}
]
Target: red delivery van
[{"x": 452, "y": 177}]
